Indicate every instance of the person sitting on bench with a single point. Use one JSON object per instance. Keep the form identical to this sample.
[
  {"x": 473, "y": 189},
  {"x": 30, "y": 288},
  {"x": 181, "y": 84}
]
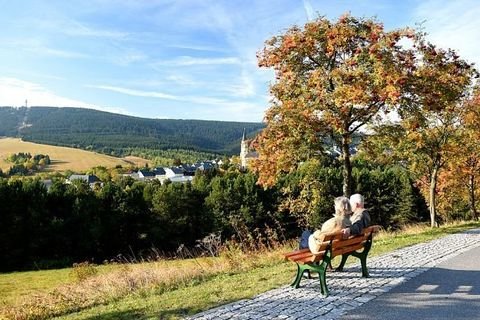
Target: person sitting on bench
[{"x": 360, "y": 217}]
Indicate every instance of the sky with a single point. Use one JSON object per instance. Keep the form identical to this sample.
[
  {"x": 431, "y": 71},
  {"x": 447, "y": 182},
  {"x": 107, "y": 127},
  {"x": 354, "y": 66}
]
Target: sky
[{"x": 181, "y": 59}]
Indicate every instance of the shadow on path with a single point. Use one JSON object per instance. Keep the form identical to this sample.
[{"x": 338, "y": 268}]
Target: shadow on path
[{"x": 449, "y": 291}]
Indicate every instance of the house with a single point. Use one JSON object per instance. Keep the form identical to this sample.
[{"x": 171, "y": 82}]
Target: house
[
  {"x": 181, "y": 179},
  {"x": 189, "y": 170},
  {"x": 159, "y": 172},
  {"x": 218, "y": 162},
  {"x": 90, "y": 179},
  {"x": 205, "y": 165},
  {"x": 133, "y": 175},
  {"x": 47, "y": 183},
  {"x": 146, "y": 175},
  {"x": 176, "y": 174},
  {"x": 173, "y": 172}
]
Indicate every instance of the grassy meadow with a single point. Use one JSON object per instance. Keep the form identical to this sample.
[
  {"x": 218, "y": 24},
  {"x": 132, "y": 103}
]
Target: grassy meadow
[
  {"x": 64, "y": 158},
  {"x": 168, "y": 289}
]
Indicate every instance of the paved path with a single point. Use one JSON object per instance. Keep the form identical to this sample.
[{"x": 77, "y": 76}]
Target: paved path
[
  {"x": 450, "y": 290},
  {"x": 348, "y": 290}
]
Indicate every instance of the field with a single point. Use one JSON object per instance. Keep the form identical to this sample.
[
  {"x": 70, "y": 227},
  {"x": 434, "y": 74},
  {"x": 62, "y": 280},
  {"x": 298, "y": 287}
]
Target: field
[
  {"x": 168, "y": 289},
  {"x": 63, "y": 158}
]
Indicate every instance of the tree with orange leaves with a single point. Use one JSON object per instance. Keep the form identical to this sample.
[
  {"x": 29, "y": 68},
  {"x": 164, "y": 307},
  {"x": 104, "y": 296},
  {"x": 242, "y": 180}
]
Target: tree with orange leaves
[
  {"x": 465, "y": 167},
  {"x": 332, "y": 78},
  {"x": 428, "y": 132}
]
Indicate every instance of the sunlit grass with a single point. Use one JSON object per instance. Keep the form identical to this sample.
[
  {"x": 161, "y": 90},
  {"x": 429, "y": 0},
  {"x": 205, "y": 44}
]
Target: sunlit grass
[
  {"x": 63, "y": 158},
  {"x": 171, "y": 289}
]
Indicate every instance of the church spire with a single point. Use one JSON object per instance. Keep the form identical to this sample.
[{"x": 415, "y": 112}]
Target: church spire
[{"x": 243, "y": 151}]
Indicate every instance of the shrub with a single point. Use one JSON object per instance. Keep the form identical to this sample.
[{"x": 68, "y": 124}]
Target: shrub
[{"x": 84, "y": 270}]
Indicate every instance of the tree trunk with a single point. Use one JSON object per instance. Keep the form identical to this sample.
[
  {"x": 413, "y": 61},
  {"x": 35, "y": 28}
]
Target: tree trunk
[
  {"x": 347, "y": 166},
  {"x": 433, "y": 194},
  {"x": 471, "y": 187}
]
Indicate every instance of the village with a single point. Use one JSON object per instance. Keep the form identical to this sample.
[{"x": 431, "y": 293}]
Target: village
[{"x": 176, "y": 174}]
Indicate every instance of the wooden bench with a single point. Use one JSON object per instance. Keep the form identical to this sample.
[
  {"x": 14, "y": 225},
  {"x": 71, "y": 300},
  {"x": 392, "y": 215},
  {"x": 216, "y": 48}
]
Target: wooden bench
[{"x": 333, "y": 245}]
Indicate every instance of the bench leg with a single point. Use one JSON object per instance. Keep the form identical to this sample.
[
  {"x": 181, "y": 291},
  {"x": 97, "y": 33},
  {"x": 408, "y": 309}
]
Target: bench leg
[
  {"x": 363, "y": 261},
  {"x": 323, "y": 282},
  {"x": 321, "y": 269},
  {"x": 363, "y": 258},
  {"x": 298, "y": 277},
  {"x": 309, "y": 275},
  {"x": 342, "y": 263}
]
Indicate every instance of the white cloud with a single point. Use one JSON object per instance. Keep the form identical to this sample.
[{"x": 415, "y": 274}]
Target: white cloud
[
  {"x": 60, "y": 23},
  {"x": 308, "y": 9},
  {"x": 243, "y": 111},
  {"x": 128, "y": 56},
  {"x": 183, "y": 80},
  {"x": 117, "y": 110},
  {"x": 75, "y": 28},
  {"x": 216, "y": 108},
  {"x": 39, "y": 47},
  {"x": 453, "y": 24},
  {"x": 57, "y": 52},
  {"x": 137, "y": 93},
  {"x": 184, "y": 61},
  {"x": 196, "y": 47},
  {"x": 158, "y": 95},
  {"x": 245, "y": 88},
  {"x": 14, "y": 92}
]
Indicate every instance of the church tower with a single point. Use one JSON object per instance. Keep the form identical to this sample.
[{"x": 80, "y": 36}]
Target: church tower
[{"x": 244, "y": 150}]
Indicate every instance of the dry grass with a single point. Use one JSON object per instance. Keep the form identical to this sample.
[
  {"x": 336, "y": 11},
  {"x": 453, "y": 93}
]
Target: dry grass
[
  {"x": 64, "y": 158},
  {"x": 127, "y": 284},
  {"x": 137, "y": 161},
  {"x": 93, "y": 289}
]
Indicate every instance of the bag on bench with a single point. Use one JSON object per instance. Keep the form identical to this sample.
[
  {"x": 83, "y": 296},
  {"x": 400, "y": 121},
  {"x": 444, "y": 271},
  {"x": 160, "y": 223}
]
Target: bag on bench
[{"x": 303, "y": 244}]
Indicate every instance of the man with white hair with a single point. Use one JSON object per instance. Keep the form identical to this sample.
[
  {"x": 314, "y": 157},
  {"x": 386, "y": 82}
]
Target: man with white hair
[{"x": 360, "y": 218}]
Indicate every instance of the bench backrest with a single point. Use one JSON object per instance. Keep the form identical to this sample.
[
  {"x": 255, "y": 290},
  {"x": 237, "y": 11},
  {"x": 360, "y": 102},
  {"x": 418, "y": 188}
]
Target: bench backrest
[
  {"x": 335, "y": 242},
  {"x": 341, "y": 246}
]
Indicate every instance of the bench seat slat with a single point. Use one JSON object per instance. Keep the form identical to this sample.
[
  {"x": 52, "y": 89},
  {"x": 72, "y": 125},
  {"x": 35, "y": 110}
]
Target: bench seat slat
[
  {"x": 310, "y": 259},
  {"x": 347, "y": 249},
  {"x": 348, "y": 242},
  {"x": 304, "y": 256},
  {"x": 296, "y": 252}
]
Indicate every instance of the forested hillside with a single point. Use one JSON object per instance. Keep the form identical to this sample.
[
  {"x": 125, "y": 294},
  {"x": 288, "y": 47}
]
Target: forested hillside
[{"x": 115, "y": 134}]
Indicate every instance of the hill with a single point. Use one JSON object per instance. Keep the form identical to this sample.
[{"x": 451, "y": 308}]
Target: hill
[
  {"x": 117, "y": 134},
  {"x": 63, "y": 158}
]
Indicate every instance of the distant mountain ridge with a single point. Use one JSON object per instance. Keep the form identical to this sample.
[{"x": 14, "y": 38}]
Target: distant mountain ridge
[{"x": 114, "y": 133}]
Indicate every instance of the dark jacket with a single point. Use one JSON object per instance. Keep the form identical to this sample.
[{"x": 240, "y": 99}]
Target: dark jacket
[{"x": 360, "y": 221}]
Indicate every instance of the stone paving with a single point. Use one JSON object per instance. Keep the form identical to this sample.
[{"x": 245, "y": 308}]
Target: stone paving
[{"x": 348, "y": 290}]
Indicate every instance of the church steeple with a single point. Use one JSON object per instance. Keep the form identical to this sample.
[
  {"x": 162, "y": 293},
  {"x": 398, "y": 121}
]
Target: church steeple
[{"x": 243, "y": 150}]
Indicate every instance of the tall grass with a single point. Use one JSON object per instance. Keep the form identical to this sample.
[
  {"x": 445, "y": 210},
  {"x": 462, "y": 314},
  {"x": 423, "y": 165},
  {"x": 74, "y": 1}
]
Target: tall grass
[
  {"x": 92, "y": 288},
  {"x": 144, "y": 280}
]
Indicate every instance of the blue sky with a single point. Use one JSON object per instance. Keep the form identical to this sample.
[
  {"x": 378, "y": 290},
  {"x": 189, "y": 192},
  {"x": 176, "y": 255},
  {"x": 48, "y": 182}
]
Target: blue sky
[{"x": 192, "y": 59}]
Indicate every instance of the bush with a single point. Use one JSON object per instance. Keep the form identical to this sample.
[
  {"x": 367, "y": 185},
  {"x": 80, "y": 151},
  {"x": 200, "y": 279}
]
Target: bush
[
  {"x": 84, "y": 270},
  {"x": 390, "y": 194}
]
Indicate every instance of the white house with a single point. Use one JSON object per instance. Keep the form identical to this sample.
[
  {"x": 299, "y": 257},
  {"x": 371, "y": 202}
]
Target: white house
[
  {"x": 175, "y": 174},
  {"x": 90, "y": 179},
  {"x": 146, "y": 175}
]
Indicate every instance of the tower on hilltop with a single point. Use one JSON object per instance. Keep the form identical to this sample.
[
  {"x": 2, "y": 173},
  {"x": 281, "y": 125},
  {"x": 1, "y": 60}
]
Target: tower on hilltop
[{"x": 245, "y": 153}]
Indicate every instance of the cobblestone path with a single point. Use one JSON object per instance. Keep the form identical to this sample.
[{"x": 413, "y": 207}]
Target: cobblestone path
[{"x": 348, "y": 289}]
